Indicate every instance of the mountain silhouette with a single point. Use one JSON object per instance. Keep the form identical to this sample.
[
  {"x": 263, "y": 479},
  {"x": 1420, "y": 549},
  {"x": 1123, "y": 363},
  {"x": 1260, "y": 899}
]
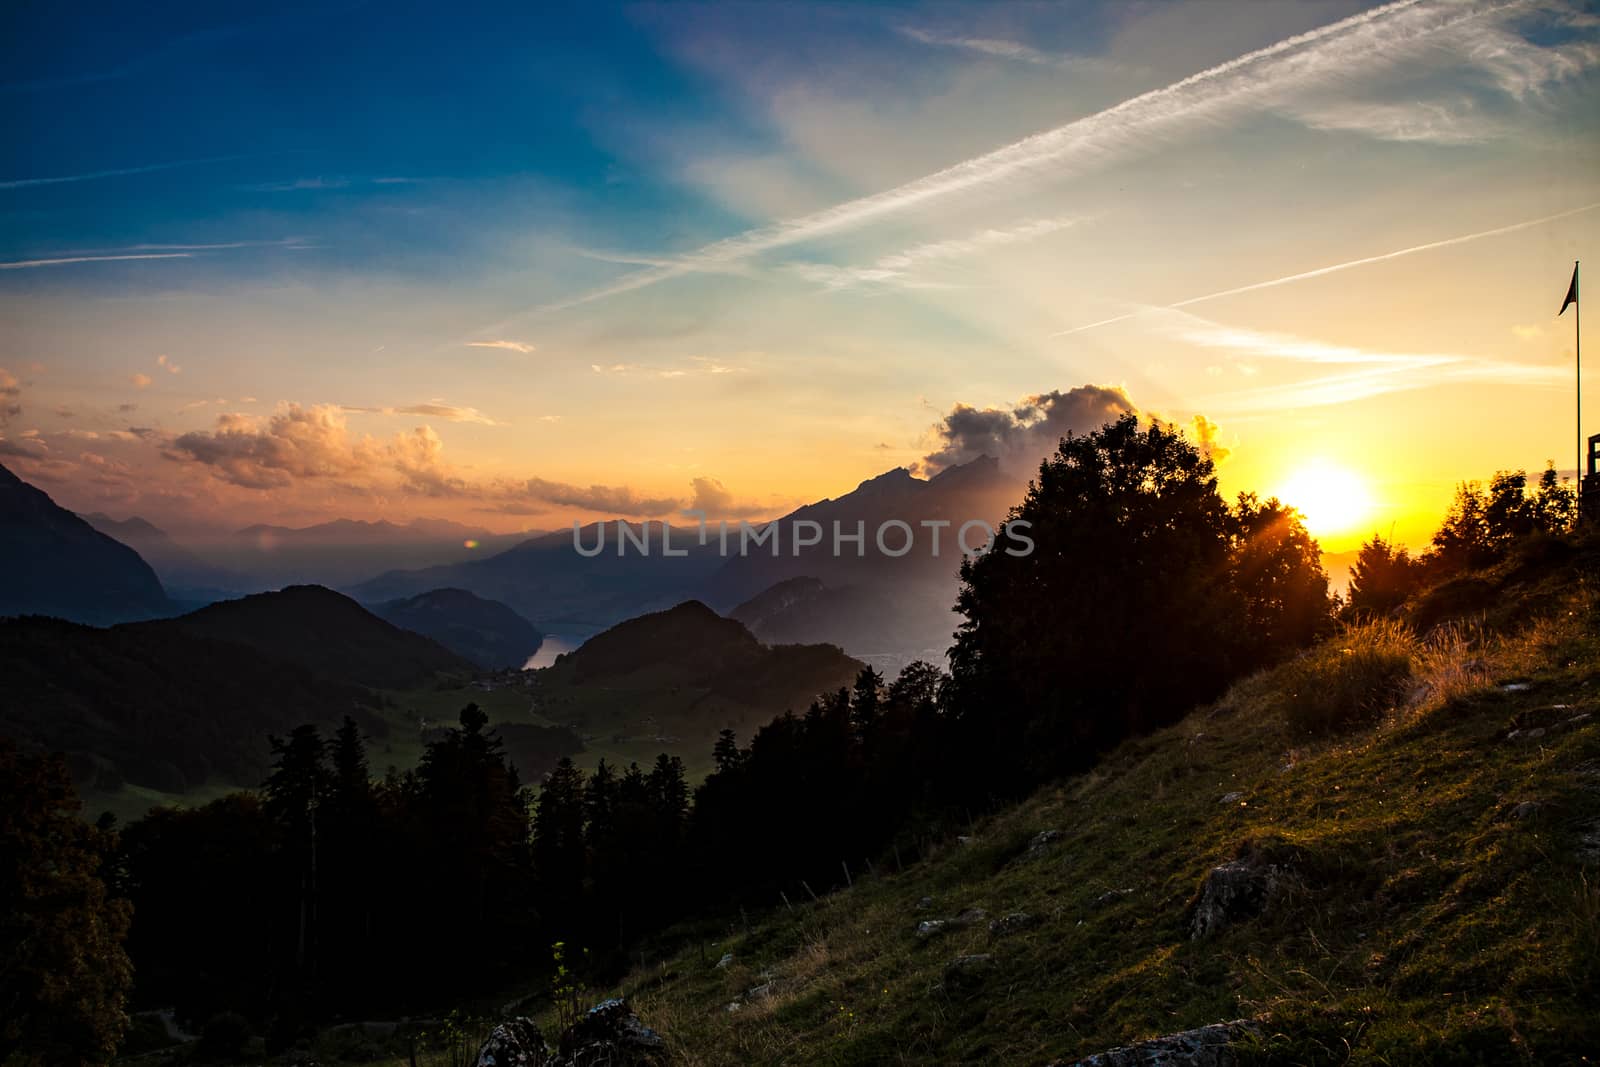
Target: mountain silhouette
[
  {"x": 486, "y": 632},
  {"x": 57, "y": 564},
  {"x": 184, "y": 574},
  {"x": 324, "y": 632}
]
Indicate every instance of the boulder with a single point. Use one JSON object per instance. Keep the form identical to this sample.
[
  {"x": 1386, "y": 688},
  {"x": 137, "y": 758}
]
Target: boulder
[
  {"x": 1237, "y": 890},
  {"x": 610, "y": 1035},
  {"x": 514, "y": 1043},
  {"x": 1043, "y": 840},
  {"x": 1013, "y": 923},
  {"x": 1207, "y": 1046}
]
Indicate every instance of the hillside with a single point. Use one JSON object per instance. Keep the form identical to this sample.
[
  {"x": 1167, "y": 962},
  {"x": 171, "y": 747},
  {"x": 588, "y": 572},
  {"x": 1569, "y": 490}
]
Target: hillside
[
  {"x": 1428, "y": 885},
  {"x": 326, "y": 633},
  {"x": 57, "y": 564},
  {"x": 155, "y": 706},
  {"x": 486, "y": 632},
  {"x": 671, "y": 679}
]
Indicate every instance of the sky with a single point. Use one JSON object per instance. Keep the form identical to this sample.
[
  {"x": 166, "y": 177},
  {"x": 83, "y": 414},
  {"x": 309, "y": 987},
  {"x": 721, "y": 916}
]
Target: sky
[{"x": 516, "y": 265}]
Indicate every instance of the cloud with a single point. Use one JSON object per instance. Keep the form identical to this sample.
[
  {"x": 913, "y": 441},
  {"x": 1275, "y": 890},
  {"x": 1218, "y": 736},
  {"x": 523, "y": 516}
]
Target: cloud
[
  {"x": 22, "y": 448},
  {"x": 297, "y": 185},
  {"x": 1318, "y": 272},
  {"x": 896, "y": 268},
  {"x": 509, "y": 346},
  {"x": 127, "y": 409},
  {"x": 998, "y": 48},
  {"x": 1372, "y": 373},
  {"x": 612, "y": 500},
  {"x": 1021, "y": 435},
  {"x": 1266, "y": 78},
  {"x": 435, "y": 409},
  {"x": 271, "y": 453},
  {"x": 1205, "y": 435},
  {"x": 713, "y": 498},
  {"x": 10, "y": 397},
  {"x": 167, "y": 365}
]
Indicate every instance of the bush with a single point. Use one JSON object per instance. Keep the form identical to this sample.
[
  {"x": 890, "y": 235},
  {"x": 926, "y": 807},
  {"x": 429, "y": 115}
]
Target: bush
[{"x": 1350, "y": 681}]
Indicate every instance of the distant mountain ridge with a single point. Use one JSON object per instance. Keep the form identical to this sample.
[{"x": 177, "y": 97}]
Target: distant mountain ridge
[
  {"x": 57, "y": 564},
  {"x": 184, "y": 574},
  {"x": 486, "y": 632},
  {"x": 889, "y": 607}
]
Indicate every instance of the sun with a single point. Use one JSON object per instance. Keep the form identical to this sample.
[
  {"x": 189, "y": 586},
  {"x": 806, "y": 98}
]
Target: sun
[{"x": 1332, "y": 498}]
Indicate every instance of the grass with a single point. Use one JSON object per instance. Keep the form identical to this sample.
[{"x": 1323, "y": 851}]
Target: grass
[{"x": 1428, "y": 922}]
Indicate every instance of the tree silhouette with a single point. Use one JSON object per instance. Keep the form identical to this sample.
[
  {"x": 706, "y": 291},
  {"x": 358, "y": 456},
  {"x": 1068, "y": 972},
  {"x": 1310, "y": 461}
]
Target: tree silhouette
[{"x": 64, "y": 978}]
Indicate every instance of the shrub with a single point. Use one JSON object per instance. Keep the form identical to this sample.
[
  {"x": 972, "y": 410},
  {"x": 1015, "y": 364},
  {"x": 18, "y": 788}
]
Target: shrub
[{"x": 1350, "y": 680}]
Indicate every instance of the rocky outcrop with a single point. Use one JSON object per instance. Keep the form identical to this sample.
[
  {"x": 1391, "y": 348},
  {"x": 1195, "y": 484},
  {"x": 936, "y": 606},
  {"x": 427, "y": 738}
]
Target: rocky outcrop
[
  {"x": 608, "y": 1035},
  {"x": 1207, "y": 1046},
  {"x": 1239, "y": 890}
]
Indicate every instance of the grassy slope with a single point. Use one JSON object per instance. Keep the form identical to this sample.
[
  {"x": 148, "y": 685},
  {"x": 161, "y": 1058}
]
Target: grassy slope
[{"x": 1431, "y": 923}]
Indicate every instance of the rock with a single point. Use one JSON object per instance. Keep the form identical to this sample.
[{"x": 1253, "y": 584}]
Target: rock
[
  {"x": 760, "y": 992},
  {"x": 1515, "y": 687},
  {"x": 929, "y": 927},
  {"x": 1208, "y": 1046},
  {"x": 1526, "y": 810},
  {"x": 1110, "y": 896},
  {"x": 733, "y": 1006},
  {"x": 1237, "y": 890},
  {"x": 970, "y": 917},
  {"x": 514, "y": 1043},
  {"x": 1232, "y": 798},
  {"x": 925, "y": 903},
  {"x": 1013, "y": 923},
  {"x": 610, "y": 1035},
  {"x": 725, "y": 962},
  {"x": 1043, "y": 840},
  {"x": 968, "y": 970},
  {"x": 966, "y": 839}
]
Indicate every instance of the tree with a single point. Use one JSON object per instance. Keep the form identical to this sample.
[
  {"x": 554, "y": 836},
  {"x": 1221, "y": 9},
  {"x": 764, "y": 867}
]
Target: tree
[
  {"x": 64, "y": 978},
  {"x": 558, "y": 845},
  {"x": 1277, "y": 570},
  {"x": 1111, "y": 624},
  {"x": 725, "y": 753},
  {"x": 1383, "y": 577},
  {"x": 1555, "y": 505}
]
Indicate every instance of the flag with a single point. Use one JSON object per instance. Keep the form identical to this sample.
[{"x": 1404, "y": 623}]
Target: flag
[{"x": 1572, "y": 293}]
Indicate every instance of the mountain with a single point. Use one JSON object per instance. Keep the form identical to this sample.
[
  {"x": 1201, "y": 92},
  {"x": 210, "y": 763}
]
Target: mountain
[
  {"x": 545, "y": 579},
  {"x": 159, "y": 705},
  {"x": 184, "y": 574},
  {"x": 888, "y": 608},
  {"x": 345, "y": 551},
  {"x": 676, "y": 677},
  {"x": 886, "y": 624},
  {"x": 57, "y": 564},
  {"x": 486, "y": 632},
  {"x": 324, "y": 632}
]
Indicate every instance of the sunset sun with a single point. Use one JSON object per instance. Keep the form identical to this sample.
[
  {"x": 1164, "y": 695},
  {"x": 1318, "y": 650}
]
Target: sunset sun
[{"x": 1332, "y": 498}]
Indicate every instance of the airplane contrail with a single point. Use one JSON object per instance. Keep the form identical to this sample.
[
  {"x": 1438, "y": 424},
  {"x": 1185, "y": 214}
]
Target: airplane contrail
[
  {"x": 1336, "y": 267},
  {"x": 28, "y": 264},
  {"x": 1328, "y": 51},
  {"x": 20, "y": 183}
]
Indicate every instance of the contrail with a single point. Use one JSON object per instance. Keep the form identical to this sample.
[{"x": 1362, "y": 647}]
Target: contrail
[
  {"x": 1094, "y": 138},
  {"x": 27, "y": 264},
  {"x": 1335, "y": 268},
  {"x": 19, "y": 183}
]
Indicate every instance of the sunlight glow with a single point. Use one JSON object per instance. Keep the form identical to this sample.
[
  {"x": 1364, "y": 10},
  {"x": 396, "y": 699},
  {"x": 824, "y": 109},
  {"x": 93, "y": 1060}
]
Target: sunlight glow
[{"x": 1332, "y": 498}]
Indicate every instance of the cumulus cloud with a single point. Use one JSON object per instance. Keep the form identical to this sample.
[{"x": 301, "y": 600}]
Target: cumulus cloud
[
  {"x": 167, "y": 365},
  {"x": 1204, "y": 432},
  {"x": 614, "y": 500},
  {"x": 10, "y": 397},
  {"x": 140, "y": 381},
  {"x": 297, "y": 442},
  {"x": 1020, "y": 436}
]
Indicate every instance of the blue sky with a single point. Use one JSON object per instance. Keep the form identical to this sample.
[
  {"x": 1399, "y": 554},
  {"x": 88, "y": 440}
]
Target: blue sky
[{"x": 513, "y": 264}]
